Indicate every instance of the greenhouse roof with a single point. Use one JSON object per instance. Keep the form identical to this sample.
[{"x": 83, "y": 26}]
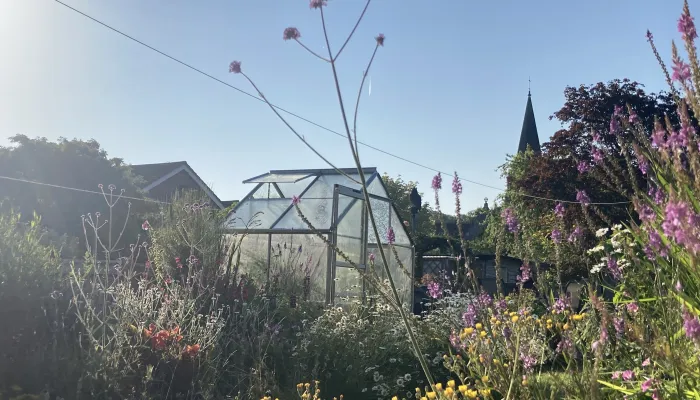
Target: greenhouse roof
[{"x": 268, "y": 207}]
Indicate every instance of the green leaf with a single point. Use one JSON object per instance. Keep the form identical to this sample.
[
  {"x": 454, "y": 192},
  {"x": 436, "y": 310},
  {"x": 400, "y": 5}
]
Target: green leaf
[{"x": 615, "y": 387}]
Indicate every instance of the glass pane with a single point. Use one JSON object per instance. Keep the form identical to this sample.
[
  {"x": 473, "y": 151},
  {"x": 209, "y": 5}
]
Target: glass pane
[
  {"x": 317, "y": 211},
  {"x": 376, "y": 188},
  {"x": 257, "y": 213},
  {"x": 381, "y": 212},
  {"x": 266, "y": 191},
  {"x": 323, "y": 187},
  {"x": 296, "y": 188},
  {"x": 348, "y": 285},
  {"x": 279, "y": 178},
  {"x": 399, "y": 229},
  {"x": 298, "y": 266},
  {"x": 350, "y": 223}
]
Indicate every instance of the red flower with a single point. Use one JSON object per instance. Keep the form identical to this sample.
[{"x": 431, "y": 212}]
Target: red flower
[
  {"x": 191, "y": 351},
  {"x": 160, "y": 339}
]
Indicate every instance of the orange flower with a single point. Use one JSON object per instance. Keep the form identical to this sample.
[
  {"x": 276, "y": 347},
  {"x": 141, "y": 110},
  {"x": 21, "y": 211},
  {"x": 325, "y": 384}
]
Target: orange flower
[
  {"x": 158, "y": 341},
  {"x": 148, "y": 332},
  {"x": 191, "y": 351},
  {"x": 175, "y": 333}
]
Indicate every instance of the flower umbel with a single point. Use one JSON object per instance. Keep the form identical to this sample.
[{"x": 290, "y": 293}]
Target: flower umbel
[
  {"x": 291, "y": 33},
  {"x": 235, "y": 67}
]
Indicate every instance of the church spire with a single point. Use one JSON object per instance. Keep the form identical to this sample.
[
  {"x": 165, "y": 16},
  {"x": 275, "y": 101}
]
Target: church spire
[{"x": 528, "y": 135}]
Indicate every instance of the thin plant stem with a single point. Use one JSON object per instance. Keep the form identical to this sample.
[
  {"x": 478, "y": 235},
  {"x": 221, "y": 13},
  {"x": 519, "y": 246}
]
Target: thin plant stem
[
  {"x": 392, "y": 284},
  {"x": 311, "y": 51},
  {"x": 359, "y": 96},
  {"x": 352, "y": 32}
]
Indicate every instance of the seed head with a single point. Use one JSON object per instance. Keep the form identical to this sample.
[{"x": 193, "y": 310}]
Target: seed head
[
  {"x": 235, "y": 67},
  {"x": 318, "y": 3},
  {"x": 380, "y": 39},
  {"x": 291, "y": 33}
]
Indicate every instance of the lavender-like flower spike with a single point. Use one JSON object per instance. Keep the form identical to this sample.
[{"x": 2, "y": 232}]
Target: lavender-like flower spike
[
  {"x": 686, "y": 24},
  {"x": 391, "y": 236},
  {"x": 559, "y": 210},
  {"x": 437, "y": 182},
  {"x": 235, "y": 67},
  {"x": 291, "y": 33},
  {"x": 582, "y": 197},
  {"x": 511, "y": 220}
]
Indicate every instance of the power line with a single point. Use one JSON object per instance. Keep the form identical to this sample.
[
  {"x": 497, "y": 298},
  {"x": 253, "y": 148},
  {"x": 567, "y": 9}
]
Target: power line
[
  {"x": 80, "y": 190},
  {"x": 306, "y": 119}
]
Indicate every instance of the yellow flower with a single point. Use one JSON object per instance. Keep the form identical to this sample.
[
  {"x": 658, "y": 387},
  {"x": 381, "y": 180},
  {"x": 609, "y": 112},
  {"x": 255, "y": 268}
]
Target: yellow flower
[
  {"x": 300, "y": 385},
  {"x": 481, "y": 358},
  {"x": 485, "y": 378},
  {"x": 524, "y": 382},
  {"x": 451, "y": 383},
  {"x": 578, "y": 317},
  {"x": 449, "y": 392},
  {"x": 462, "y": 389},
  {"x": 479, "y": 326},
  {"x": 514, "y": 318},
  {"x": 472, "y": 394},
  {"x": 512, "y": 313},
  {"x": 418, "y": 390},
  {"x": 423, "y": 398},
  {"x": 549, "y": 322},
  {"x": 498, "y": 323},
  {"x": 468, "y": 331},
  {"x": 486, "y": 392},
  {"x": 395, "y": 398},
  {"x": 431, "y": 395},
  {"x": 493, "y": 320},
  {"x": 566, "y": 327},
  {"x": 482, "y": 334},
  {"x": 438, "y": 386},
  {"x": 496, "y": 361}
]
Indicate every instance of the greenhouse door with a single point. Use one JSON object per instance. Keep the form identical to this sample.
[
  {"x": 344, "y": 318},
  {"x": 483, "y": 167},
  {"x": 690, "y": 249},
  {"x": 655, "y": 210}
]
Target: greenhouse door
[{"x": 349, "y": 235}]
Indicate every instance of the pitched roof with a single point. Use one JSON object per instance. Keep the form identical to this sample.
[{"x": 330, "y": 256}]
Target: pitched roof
[
  {"x": 152, "y": 172},
  {"x": 155, "y": 174},
  {"x": 528, "y": 135}
]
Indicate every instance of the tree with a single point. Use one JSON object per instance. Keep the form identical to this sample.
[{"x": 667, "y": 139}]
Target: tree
[
  {"x": 399, "y": 192},
  {"x": 68, "y": 164}
]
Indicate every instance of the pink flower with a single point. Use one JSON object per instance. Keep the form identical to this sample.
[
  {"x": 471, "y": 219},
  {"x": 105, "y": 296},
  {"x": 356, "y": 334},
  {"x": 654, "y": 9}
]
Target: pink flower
[
  {"x": 380, "y": 39},
  {"x": 371, "y": 257},
  {"x": 582, "y": 167},
  {"x": 616, "y": 375},
  {"x": 456, "y": 185},
  {"x": 646, "y": 363},
  {"x": 437, "y": 182},
  {"x": 634, "y": 118},
  {"x": 291, "y": 33},
  {"x": 235, "y": 67},
  {"x": 632, "y": 307},
  {"x": 148, "y": 264},
  {"x": 686, "y": 26},
  {"x": 628, "y": 375},
  {"x": 391, "y": 236},
  {"x": 681, "y": 71},
  {"x": 168, "y": 280},
  {"x": 582, "y": 197},
  {"x": 295, "y": 200},
  {"x": 318, "y": 3},
  {"x": 511, "y": 219},
  {"x": 145, "y": 226},
  {"x": 100, "y": 186},
  {"x": 559, "y": 210}
]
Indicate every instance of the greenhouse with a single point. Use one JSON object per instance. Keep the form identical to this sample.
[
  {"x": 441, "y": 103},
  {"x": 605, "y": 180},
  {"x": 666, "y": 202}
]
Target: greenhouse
[{"x": 300, "y": 251}]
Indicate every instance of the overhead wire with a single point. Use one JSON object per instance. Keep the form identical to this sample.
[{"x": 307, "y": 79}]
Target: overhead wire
[
  {"x": 369, "y": 146},
  {"x": 122, "y": 196}
]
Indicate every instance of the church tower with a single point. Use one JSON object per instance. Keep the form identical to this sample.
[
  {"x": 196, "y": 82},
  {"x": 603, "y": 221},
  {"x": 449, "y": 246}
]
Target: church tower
[{"x": 528, "y": 135}]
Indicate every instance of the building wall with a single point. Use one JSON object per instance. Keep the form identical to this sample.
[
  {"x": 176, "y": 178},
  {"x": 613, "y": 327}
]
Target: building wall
[{"x": 485, "y": 270}]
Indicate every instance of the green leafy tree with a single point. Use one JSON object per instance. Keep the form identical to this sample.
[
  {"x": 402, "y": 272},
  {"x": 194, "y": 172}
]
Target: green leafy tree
[
  {"x": 399, "y": 192},
  {"x": 69, "y": 164}
]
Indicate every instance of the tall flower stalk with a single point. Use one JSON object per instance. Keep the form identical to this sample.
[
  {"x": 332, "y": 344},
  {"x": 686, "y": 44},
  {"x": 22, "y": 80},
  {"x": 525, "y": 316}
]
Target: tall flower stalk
[{"x": 351, "y": 134}]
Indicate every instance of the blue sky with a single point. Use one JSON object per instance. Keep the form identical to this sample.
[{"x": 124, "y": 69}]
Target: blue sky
[{"x": 448, "y": 89}]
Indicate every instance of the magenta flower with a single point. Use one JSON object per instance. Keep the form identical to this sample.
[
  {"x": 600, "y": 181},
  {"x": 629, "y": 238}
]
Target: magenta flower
[
  {"x": 524, "y": 273},
  {"x": 145, "y": 226},
  {"x": 646, "y": 363},
  {"x": 456, "y": 185},
  {"x": 617, "y": 110},
  {"x": 597, "y": 155},
  {"x": 616, "y": 375},
  {"x": 560, "y": 305},
  {"x": 559, "y": 210},
  {"x": 371, "y": 257},
  {"x": 614, "y": 268},
  {"x": 619, "y": 325},
  {"x": 295, "y": 200},
  {"x": 511, "y": 220},
  {"x": 686, "y": 26},
  {"x": 235, "y": 67},
  {"x": 556, "y": 236},
  {"x": 318, "y": 3},
  {"x": 582, "y": 167},
  {"x": 434, "y": 290},
  {"x": 469, "y": 316},
  {"x": 681, "y": 71},
  {"x": 380, "y": 39},
  {"x": 633, "y": 118},
  {"x": 437, "y": 182},
  {"x": 391, "y": 236},
  {"x": 291, "y": 33},
  {"x": 628, "y": 375},
  {"x": 632, "y": 307},
  {"x": 658, "y": 138},
  {"x": 691, "y": 326},
  {"x": 582, "y": 197},
  {"x": 576, "y": 234},
  {"x": 614, "y": 125}
]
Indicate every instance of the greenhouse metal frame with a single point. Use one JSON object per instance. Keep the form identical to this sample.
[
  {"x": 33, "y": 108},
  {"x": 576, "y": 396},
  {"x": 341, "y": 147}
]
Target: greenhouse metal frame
[{"x": 276, "y": 239}]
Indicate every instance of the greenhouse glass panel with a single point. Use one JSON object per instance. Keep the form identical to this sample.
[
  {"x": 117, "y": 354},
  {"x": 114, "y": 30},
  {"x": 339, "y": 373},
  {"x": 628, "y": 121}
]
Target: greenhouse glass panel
[
  {"x": 377, "y": 188},
  {"x": 278, "y": 178},
  {"x": 257, "y": 213},
  {"x": 382, "y": 213},
  {"x": 295, "y": 189},
  {"x": 298, "y": 266},
  {"x": 349, "y": 286},
  {"x": 350, "y": 232},
  {"x": 317, "y": 211},
  {"x": 266, "y": 191},
  {"x": 323, "y": 187},
  {"x": 399, "y": 229}
]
